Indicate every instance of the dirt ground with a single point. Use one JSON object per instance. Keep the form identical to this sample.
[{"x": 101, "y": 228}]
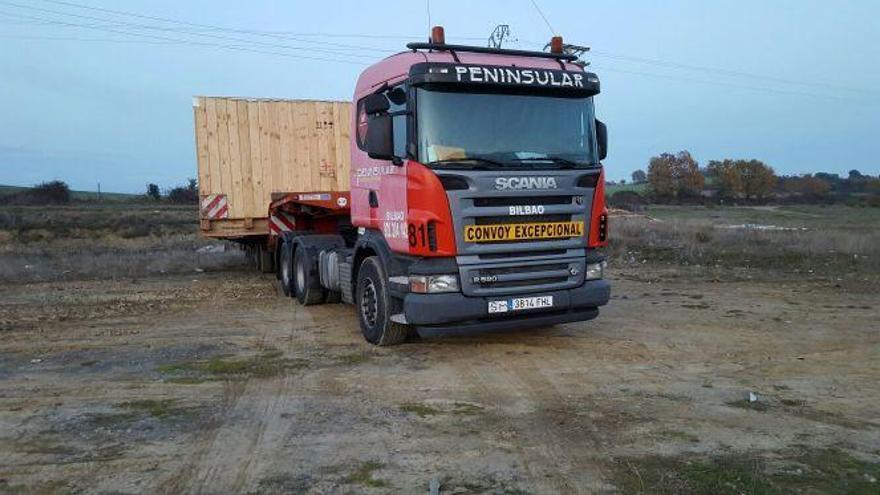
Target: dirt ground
[{"x": 212, "y": 383}]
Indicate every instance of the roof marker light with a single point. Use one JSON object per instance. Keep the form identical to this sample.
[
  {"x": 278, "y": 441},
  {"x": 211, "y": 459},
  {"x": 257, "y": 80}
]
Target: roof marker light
[
  {"x": 438, "y": 37},
  {"x": 556, "y": 44}
]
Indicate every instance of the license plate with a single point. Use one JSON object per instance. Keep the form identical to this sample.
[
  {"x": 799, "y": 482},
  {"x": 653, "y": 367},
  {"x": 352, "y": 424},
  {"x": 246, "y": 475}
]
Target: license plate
[
  {"x": 522, "y": 231},
  {"x": 520, "y": 304}
]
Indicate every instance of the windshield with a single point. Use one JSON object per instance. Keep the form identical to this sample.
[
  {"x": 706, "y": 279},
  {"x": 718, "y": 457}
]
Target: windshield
[{"x": 493, "y": 130}]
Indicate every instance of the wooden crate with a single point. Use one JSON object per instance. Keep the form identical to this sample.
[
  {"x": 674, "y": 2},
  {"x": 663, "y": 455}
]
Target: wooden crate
[{"x": 247, "y": 149}]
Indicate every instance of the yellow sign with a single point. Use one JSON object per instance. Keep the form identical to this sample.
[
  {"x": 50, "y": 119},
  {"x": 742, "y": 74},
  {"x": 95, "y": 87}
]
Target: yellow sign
[{"x": 522, "y": 231}]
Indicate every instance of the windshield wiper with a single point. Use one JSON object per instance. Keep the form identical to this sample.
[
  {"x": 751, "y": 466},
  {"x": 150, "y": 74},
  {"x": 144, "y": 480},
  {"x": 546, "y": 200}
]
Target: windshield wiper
[
  {"x": 562, "y": 162},
  {"x": 485, "y": 162}
]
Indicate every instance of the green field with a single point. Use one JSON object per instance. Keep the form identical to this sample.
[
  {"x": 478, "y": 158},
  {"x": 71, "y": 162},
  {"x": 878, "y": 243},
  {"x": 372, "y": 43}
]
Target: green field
[{"x": 639, "y": 188}]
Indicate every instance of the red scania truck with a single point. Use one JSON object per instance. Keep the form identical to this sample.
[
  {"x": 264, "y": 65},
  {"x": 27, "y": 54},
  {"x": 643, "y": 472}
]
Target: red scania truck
[{"x": 475, "y": 201}]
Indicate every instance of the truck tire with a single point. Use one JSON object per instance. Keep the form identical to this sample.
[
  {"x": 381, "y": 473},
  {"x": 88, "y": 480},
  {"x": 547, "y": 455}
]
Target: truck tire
[
  {"x": 375, "y": 305},
  {"x": 306, "y": 282},
  {"x": 285, "y": 271}
]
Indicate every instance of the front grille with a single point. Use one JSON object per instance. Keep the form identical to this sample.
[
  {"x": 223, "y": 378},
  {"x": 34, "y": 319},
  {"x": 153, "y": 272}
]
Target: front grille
[
  {"x": 526, "y": 283},
  {"x": 522, "y": 269},
  {"x": 505, "y": 219},
  {"x": 521, "y": 278},
  {"x": 522, "y": 200},
  {"x": 527, "y": 254},
  {"x": 482, "y": 205}
]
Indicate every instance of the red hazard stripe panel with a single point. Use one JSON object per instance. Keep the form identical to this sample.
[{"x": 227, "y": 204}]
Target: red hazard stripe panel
[
  {"x": 214, "y": 207},
  {"x": 280, "y": 222}
]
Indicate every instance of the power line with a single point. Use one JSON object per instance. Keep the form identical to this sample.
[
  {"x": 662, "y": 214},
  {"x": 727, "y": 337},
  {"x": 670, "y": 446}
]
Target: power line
[
  {"x": 201, "y": 43},
  {"x": 252, "y": 31},
  {"x": 726, "y": 72},
  {"x": 276, "y": 35},
  {"x": 721, "y": 83},
  {"x": 181, "y": 31},
  {"x": 97, "y": 40},
  {"x": 283, "y": 35},
  {"x": 535, "y": 4},
  {"x": 718, "y": 70}
]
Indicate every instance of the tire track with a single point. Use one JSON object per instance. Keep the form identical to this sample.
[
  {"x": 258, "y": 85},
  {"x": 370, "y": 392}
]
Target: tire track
[
  {"x": 528, "y": 405},
  {"x": 249, "y": 428}
]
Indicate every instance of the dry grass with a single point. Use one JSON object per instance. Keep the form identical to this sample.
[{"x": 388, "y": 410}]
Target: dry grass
[
  {"x": 120, "y": 240},
  {"x": 826, "y": 241},
  {"x": 104, "y": 241}
]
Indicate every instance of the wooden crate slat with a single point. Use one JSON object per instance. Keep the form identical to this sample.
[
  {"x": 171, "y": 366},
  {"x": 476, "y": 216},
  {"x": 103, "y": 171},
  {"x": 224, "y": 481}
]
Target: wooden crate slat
[{"x": 247, "y": 149}]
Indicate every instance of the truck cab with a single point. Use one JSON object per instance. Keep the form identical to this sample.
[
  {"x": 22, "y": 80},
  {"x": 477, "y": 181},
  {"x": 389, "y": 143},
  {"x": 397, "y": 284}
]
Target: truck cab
[{"x": 476, "y": 192}]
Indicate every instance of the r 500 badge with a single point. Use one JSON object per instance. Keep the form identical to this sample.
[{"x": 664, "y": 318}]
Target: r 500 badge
[{"x": 523, "y": 231}]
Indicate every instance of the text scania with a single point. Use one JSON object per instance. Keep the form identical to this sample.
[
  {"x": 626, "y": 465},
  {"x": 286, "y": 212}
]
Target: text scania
[
  {"x": 504, "y": 183},
  {"x": 514, "y": 75}
]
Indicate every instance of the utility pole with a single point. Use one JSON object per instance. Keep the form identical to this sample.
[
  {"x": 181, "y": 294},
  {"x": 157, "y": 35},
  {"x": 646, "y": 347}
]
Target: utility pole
[{"x": 99, "y": 192}]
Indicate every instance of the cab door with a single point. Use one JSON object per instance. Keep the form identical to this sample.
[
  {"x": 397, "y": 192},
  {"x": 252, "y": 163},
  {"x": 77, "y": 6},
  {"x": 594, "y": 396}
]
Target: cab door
[{"x": 379, "y": 186}]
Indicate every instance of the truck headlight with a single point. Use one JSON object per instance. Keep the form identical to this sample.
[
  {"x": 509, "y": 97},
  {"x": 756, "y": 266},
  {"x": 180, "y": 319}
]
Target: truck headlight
[
  {"x": 595, "y": 271},
  {"x": 433, "y": 284}
]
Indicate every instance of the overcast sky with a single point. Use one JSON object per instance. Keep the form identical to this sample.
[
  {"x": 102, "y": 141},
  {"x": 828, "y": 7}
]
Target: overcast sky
[{"x": 85, "y": 100}]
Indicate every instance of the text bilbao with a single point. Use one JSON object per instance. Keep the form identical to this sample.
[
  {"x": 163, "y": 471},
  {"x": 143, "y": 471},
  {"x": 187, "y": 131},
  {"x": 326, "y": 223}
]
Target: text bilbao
[{"x": 515, "y": 75}]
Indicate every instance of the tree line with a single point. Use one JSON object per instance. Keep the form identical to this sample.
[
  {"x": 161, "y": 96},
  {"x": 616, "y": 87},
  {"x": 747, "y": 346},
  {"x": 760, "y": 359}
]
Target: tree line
[
  {"x": 58, "y": 192},
  {"x": 185, "y": 194},
  {"x": 677, "y": 177}
]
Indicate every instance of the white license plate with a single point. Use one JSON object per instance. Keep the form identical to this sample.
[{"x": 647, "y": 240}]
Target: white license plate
[{"x": 520, "y": 304}]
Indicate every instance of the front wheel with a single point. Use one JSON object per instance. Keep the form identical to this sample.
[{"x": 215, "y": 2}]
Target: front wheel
[{"x": 375, "y": 305}]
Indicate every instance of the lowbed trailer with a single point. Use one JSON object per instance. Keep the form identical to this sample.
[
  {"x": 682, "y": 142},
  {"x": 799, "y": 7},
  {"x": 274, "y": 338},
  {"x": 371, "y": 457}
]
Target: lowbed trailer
[{"x": 461, "y": 190}]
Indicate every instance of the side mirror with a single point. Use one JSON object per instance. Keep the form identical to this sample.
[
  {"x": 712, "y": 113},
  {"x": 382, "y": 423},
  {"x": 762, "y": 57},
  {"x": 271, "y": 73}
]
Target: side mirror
[
  {"x": 376, "y": 103},
  {"x": 380, "y": 142},
  {"x": 602, "y": 139}
]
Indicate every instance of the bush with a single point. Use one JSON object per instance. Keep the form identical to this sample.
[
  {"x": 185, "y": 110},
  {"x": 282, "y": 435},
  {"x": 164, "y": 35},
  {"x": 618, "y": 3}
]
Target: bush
[
  {"x": 627, "y": 200},
  {"x": 188, "y": 194},
  {"x": 153, "y": 192},
  {"x": 55, "y": 192}
]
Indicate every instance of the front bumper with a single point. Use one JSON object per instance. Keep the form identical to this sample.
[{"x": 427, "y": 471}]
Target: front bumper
[{"x": 456, "y": 312}]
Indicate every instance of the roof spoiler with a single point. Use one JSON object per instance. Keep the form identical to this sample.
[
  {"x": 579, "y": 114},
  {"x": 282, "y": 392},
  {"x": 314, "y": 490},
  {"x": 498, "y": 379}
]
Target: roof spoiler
[{"x": 496, "y": 51}]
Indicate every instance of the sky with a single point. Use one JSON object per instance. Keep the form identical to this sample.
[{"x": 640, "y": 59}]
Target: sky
[{"x": 90, "y": 96}]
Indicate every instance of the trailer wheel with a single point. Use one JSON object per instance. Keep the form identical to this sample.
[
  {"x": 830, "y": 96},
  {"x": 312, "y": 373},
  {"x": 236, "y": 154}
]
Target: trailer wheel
[
  {"x": 375, "y": 305},
  {"x": 307, "y": 284},
  {"x": 286, "y": 271}
]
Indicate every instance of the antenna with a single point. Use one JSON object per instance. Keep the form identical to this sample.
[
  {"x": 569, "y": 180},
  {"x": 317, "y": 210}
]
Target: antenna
[
  {"x": 428, "y": 8},
  {"x": 499, "y": 34}
]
